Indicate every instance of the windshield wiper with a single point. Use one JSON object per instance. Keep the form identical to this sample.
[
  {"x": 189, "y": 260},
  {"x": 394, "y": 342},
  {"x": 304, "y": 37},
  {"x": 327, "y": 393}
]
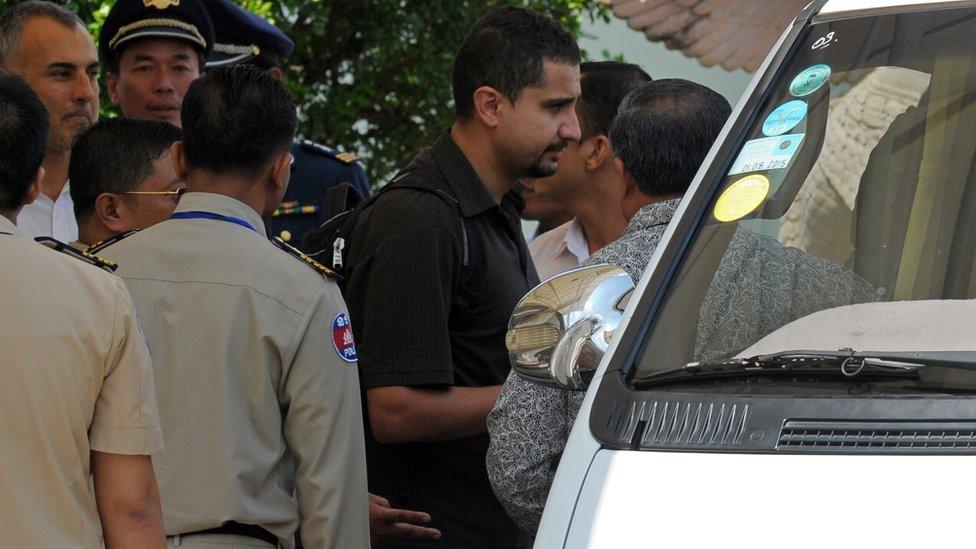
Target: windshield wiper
[{"x": 845, "y": 362}]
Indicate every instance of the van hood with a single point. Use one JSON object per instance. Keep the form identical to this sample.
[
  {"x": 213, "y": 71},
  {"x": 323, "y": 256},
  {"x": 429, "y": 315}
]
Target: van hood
[{"x": 698, "y": 500}]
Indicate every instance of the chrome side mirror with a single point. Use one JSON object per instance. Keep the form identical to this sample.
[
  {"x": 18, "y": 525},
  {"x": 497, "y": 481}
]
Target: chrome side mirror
[{"x": 560, "y": 330}]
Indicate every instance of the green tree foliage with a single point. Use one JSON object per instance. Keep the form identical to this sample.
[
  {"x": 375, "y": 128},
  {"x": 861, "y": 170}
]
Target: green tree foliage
[{"x": 373, "y": 76}]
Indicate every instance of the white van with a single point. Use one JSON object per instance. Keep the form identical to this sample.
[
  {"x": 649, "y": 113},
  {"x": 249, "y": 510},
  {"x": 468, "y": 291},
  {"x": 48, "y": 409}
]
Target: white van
[{"x": 797, "y": 366}]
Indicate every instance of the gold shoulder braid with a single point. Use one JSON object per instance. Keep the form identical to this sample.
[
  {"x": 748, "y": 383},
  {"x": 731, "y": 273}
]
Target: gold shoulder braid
[
  {"x": 102, "y": 244},
  {"x": 305, "y": 258},
  {"x": 89, "y": 258},
  {"x": 156, "y": 23}
]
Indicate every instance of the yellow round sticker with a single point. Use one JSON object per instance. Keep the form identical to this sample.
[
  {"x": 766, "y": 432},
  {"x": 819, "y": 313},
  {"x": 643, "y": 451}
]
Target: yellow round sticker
[{"x": 742, "y": 197}]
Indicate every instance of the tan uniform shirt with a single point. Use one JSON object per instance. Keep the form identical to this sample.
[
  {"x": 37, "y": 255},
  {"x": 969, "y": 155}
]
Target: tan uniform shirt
[
  {"x": 76, "y": 378},
  {"x": 559, "y": 250},
  {"x": 255, "y": 399}
]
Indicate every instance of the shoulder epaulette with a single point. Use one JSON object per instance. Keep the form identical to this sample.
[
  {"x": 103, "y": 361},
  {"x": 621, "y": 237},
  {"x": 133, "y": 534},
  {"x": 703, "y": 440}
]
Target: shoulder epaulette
[
  {"x": 345, "y": 157},
  {"x": 305, "y": 258},
  {"x": 101, "y": 245},
  {"x": 85, "y": 256}
]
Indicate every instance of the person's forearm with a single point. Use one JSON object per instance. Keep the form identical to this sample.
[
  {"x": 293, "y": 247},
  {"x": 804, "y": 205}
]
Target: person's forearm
[
  {"x": 128, "y": 501},
  {"x": 407, "y": 414},
  {"x": 142, "y": 530}
]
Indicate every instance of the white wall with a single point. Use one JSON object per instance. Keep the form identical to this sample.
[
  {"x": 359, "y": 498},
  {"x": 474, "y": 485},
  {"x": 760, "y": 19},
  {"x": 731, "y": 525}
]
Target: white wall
[{"x": 617, "y": 38}]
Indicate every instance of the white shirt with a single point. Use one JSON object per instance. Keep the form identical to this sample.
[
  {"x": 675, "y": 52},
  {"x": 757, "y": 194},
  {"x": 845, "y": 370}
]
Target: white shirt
[
  {"x": 46, "y": 217},
  {"x": 559, "y": 250}
]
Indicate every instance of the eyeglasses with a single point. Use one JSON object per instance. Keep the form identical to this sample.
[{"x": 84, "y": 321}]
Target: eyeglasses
[{"x": 177, "y": 194}]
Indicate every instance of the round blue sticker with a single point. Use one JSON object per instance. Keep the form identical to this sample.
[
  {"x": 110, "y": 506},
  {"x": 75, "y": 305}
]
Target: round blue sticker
[
  {"x": 810, "y": 80},
  {"x": 784, "y": 118},
  {"x": 342, "y": 338}
]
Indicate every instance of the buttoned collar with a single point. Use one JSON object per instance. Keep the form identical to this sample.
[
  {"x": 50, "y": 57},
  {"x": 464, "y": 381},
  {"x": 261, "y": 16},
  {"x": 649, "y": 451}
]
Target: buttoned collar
[
  {"x": 651, "y": 215},
  {"x": 468, "y": 189},
  {"x": 222, "y": 205}
]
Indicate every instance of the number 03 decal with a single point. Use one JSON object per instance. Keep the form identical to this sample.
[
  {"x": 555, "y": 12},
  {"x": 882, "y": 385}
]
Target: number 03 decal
[{"x": 823, "y": 42}]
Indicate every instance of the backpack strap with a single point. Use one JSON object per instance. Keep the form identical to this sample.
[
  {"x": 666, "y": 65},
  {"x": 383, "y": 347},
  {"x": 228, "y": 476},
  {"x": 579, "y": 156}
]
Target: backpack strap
[
  {"x": 334, "y": 234},
  {"x": 431, "y": 186}
]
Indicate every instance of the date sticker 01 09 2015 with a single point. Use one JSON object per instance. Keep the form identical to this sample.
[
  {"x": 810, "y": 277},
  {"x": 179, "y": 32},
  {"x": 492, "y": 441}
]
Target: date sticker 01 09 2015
[{"x": 741, "y": 198}]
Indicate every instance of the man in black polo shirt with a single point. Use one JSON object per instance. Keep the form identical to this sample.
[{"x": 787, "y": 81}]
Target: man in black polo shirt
[{"x": 434, "y": 279}]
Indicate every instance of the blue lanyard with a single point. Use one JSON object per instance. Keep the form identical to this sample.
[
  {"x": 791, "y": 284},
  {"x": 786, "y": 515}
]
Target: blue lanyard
[{"x": 211, "y": 215}]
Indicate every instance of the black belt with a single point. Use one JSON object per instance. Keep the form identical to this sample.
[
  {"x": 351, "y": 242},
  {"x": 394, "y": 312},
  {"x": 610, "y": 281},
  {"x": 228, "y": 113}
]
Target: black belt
[{"x": 239, "y": 529}]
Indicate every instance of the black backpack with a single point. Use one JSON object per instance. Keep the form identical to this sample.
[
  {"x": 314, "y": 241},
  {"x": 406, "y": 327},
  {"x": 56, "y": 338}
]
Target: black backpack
[{"x": 330, "y": 243}]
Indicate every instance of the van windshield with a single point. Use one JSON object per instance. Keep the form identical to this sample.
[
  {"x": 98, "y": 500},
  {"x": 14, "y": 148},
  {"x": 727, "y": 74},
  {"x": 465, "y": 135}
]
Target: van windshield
[{"x": 847, "y": 218}]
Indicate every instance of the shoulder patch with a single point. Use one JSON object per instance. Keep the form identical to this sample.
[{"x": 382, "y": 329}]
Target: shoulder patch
[
  {"x": 99, "y": 246},
  {"x": 85, "y": 256},
  {"x": 342, "y": 338},
  {"x": 306, "y": 259}
]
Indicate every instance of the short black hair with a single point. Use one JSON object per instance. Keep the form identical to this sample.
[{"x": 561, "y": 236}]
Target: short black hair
[
  {"x": 604, "y": 86},
  {"x": 235, "y": 119},
  {"x": 24, "y": 128},
  {"x": 506, "y": 49},
  {"x": 663, "y": 132},
  {"x": 14, "y": 18},
  {"x": 116, "y": 155}
]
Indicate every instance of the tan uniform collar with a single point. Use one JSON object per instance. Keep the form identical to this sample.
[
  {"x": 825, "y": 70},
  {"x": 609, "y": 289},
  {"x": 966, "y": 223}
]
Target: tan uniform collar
[
  {"x": 7, "y": 226},
  {"x": 223, "y": 205}
]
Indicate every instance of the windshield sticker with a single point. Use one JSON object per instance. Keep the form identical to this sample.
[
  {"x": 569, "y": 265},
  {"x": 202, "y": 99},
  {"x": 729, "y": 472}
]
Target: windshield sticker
[
  {"x": 741, "y": 198},
  {"x": 784, "y": 118},
  {"x": 810, "y": 80},
  {"x": 767, "y": 153}
]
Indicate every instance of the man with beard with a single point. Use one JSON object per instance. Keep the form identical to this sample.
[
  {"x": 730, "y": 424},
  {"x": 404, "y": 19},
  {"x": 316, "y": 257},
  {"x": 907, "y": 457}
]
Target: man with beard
[
  {"x": 434, "y": 275},
  {"x": 49, "y": 47},
  {"x": 587, "y": 184}
]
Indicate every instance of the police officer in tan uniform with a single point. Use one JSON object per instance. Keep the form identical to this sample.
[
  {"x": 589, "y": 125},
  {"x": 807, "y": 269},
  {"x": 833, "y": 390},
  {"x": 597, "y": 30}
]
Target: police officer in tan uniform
[
  {"x": 253, "y": 356},
  {"x": 77, "y": 395},
  {"x": 243, "y": 37}
]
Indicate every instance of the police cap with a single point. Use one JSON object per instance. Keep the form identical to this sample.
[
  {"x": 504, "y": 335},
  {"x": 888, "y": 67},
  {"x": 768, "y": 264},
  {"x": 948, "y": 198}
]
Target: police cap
[
  {"x": 175, "y": 19},
  {"x": 243, "y": 36}
]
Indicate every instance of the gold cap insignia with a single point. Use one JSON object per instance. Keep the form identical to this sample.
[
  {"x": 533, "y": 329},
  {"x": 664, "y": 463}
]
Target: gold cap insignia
[{"x": 160, "y": 4}]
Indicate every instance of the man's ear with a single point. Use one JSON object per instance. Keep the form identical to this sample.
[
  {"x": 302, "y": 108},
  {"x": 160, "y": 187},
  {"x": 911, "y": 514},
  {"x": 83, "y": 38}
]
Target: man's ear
[
  {"x": 486, "y": 103},
  {"x": 112, "y": 82},
  {"x": 598, "y": 152},
  {"x": 35, "y": 187},
  {"x": 276, "y": 73},
  {"x": 110, "y": 211},
  {"x": 176, "y": 155},
  {"x": 281, "y": 170}
]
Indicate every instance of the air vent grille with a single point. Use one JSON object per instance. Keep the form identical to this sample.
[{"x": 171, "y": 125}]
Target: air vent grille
[
  {"x": 657, "y": 424},
  {"x": 871, "y": 436}
]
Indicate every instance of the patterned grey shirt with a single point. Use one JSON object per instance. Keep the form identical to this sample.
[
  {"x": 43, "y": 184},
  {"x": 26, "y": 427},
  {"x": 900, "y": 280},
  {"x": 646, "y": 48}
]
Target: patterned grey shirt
[
  {"x": 530, "y": 423},
  {"x": 758, "y": 286}
]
